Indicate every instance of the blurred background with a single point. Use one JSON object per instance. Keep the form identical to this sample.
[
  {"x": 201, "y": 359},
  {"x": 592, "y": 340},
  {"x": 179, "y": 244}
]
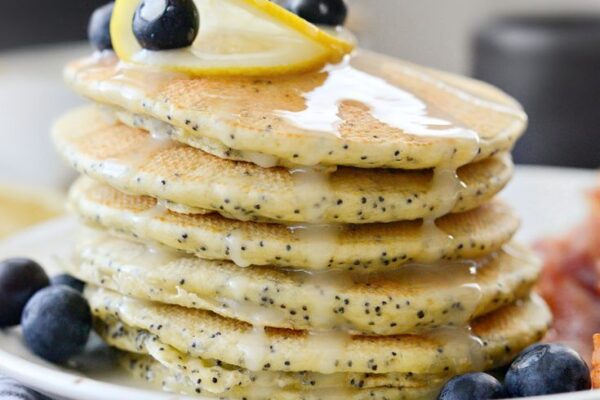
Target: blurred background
[{"x": 546, "y": 53}]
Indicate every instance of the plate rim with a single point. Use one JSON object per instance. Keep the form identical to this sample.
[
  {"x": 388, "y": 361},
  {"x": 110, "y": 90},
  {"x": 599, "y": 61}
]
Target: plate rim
[{"x": 53, "y": 382}]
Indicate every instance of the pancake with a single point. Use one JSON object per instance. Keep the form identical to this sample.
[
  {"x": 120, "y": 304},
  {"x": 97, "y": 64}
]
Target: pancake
[
  {"x": 147, "y": 368},
  {"x": 371, "y": 111},
  {"x": 136, "y": 162},
  {"x": 210, "y": 377},
  {"x": 413, "y": 299},
  {"x": 365, "y": 248},
  {"x": 493, "y": 340}
]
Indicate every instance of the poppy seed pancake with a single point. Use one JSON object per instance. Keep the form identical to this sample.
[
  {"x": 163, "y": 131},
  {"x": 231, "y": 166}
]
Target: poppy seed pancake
[
  {"x": 498, "y": 337},
  {"x": 132, "y": 161},
  {"x": 253, "y": 115},
  {"x": 148, "y": 369},
  {"x": 149, "y": 358},
  {"x": 413, "y": 299},
  {"x": 361, "y": 248}
]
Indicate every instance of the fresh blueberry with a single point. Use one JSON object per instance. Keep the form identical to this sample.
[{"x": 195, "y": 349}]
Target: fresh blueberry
[
  {"x": 20, "y": 278},
  {"x": 56, "y": 323},
  {"x": 67, "y": 280},
  {"x": 547, "y": 369},
  {"x": 13, "y": 390},
  {"x": 322, "y": 12},
  {"x": 473, "y": 386},
  {"x": 166, "y": 24},
  {"x": 99, "y": 27}
]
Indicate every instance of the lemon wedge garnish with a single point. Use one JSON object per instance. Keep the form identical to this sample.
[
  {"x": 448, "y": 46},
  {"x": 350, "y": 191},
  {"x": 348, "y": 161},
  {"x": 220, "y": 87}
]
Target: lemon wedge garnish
[{"x": 237, "y": 37}]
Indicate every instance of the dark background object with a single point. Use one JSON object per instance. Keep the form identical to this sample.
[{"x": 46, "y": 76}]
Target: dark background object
[
  {"x": 33, "y": 22},
  {"x": 551, "y": 64}
]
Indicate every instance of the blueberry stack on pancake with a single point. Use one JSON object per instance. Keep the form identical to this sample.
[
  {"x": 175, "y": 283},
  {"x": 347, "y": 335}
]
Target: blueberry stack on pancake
[{"x": 330, "y": 234}]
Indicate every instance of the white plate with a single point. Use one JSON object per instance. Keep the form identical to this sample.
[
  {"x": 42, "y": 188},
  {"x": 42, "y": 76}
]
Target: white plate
[{"x": 549, "y": 199}]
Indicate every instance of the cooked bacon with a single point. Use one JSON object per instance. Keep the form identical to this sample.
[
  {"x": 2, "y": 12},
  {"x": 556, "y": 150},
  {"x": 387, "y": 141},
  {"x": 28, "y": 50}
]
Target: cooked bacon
[
  {"x": 594, "y": 200},
  {"x": 596, "y": 363},
  {"x": 570, "y": 283}
]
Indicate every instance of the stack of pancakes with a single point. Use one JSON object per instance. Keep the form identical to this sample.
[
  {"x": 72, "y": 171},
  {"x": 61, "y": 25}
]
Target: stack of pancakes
[{"x": 331, "y": 235}]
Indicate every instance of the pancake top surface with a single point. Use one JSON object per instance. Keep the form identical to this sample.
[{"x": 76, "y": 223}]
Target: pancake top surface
[
  {"x": 370, "y": 111},
  {"x": 134, "y": 161},
  {"x": 203, "y": 334}
]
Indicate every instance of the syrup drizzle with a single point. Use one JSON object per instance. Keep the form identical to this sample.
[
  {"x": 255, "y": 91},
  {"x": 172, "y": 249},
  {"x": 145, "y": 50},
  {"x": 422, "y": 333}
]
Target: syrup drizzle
[
  {"x": 387, "y": 103},
  {"x": 394, "y": 107},
  {"x": 133, "y": 260},
  {"x": 322, "y": 240},
  {"x": 234, "y": 248},
  {"x": 445, "y": 187}
]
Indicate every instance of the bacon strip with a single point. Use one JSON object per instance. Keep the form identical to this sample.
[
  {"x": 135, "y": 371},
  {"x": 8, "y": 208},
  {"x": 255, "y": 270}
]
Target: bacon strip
[
  {"x": 596, "y": 363},
  {"x": 570, "y": 283}
]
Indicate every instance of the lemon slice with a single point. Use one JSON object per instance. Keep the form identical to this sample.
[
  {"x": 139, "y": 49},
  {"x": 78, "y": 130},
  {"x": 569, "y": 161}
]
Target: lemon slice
[{"x": 237, "y": 37}]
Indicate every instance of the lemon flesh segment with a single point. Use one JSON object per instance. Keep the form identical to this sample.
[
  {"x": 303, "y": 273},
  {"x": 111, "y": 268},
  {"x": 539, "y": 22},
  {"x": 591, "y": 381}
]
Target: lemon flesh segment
[{"x": 236, "y": 37}]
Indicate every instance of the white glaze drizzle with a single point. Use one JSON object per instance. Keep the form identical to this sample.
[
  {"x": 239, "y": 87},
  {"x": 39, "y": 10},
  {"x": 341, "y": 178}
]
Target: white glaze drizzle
[
  {"x": 321, "y": 238},
  {"x": 388, "y": 103},
  {"x": 131, "y": 257},
  {"x": 312, "y": 191},
  {"x": 331, "y": 346},
  {"x": 233, "y": 248},
  {"x": 254, "y": 344}
]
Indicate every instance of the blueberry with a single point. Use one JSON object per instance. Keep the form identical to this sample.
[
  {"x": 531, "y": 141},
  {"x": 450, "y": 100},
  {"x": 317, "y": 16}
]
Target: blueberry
[
  {"x": 56, "y": 323},
  {"x": 13, "y": 390},
  {"x": 473, "y": 386},
  {"x": 166, "y": 24},
  {"x": 20, "y": 278},
  {"x": 322, "y": 12},
  {"x": 67, "y": 280},
  {"x": 547, "y": 369},
  {"x": 99, "y": 27}
]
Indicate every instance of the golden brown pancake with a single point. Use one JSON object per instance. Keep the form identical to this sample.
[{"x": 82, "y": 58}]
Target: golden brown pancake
[
  {"x": 132, "y": 161},
  {"x": 152, "y": 360},
  {"x": 361, "y": 248},
  {"x": 413, "y": 299},
  {"x": 149, "y": 369},
  {"x": 374, "y": 111},
  {"x": 495, "y": 339}
]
